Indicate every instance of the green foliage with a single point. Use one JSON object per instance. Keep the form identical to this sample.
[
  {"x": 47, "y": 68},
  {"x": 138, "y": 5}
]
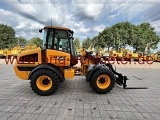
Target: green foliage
[
  {"x": 21, "y": 41},
  {"x": 145, "y": 36},
  {"x": 77, "y": 44},
  {"x": 7, "y": 36},
  {"x": 87, "y": 42},
  {"x": 8, "y": 39},
  {"x": 122, "y": 34},
  {"x": 36, "y": 40},
  {"x": 97, "y": 49}
]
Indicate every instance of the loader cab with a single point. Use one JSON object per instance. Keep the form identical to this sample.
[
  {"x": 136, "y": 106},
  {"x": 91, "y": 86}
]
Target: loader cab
[{"x": 61, "y": 39}]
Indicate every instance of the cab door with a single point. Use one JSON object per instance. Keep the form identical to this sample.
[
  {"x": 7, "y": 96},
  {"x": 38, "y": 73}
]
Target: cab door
[{"x": 59, "y": 50}]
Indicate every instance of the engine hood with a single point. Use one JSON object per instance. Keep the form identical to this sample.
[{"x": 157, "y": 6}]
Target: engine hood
[
  {"x": 25, "y": 53},
  {"x": 30, "y": 57}
]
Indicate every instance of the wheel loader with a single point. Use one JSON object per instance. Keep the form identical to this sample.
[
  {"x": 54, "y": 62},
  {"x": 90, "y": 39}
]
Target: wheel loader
[
  {"x": 15, "y": 51},
  {"x": 2, "y": 53},
  {"x": 47, "y": 67},
  {"x": 156, "y": 57}
]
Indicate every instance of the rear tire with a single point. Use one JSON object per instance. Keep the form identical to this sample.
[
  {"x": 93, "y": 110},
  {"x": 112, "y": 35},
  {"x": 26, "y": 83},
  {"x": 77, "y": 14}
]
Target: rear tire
[
  {"x": 102, "y": 81},
  {"x": 44, "y": 82}
]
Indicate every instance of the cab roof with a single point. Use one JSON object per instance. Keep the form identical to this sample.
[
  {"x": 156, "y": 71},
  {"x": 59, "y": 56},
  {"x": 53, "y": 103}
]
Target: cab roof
[{"x": 57, "y": 27}]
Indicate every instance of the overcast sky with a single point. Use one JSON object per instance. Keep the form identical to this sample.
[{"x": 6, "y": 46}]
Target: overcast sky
[{"x": 85, "y": 17}]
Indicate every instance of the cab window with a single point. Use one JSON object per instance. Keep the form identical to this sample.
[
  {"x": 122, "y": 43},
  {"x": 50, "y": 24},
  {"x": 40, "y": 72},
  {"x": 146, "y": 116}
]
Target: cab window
[
  {"x": 58, "y": 40},
  {"x": 64, "y": 45}
]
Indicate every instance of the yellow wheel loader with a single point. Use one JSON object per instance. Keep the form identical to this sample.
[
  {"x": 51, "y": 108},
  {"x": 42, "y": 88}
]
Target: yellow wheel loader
[
  {"x": 15, "y": 51},
  {"x": 135, "y": 55},
  {"x": 146, "y": 57},
  {"x": 113, "y": 55},
  {"x": 116, "y": 56},
  {"x": 157, "y": 57},
  {"x": 30, "y": 47},
  {"x": 47, "y": 67},
  {"x": 3, "y": 53},
  {"x": 127, "y": 55},
  {"x": 8, "y": 53}
]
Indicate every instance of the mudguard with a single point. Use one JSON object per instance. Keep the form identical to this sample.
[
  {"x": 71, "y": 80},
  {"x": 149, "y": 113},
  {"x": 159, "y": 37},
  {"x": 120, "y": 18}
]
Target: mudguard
[
  {"x": 51, "y": 67},
  {"x": 94, "y": 69}
]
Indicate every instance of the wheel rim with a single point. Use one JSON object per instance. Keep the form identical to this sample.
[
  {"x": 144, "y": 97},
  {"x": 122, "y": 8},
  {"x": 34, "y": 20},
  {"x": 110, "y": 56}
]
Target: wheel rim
[
  {"x": 103, "y": 81},
  {"x": 44, "y": 83}
]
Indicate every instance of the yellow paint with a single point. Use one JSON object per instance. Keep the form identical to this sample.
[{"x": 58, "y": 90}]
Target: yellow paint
[
  {"x": 113, "y": 54},
  {"x": 28, "y": 48},
  {"x": 2, "y": 53},
  {"x": 8, "y": 53},
  {"x": 38, "y": 50},
  {"x": 40, "y": 83},
  {"x": 156, "y": 57},
  {"x": 135, "y": 55},
  {"x": 16, "y": 51},
  {"x": 83, "y": 52},
  {"x": 69, "y": 73},
  {"x": 103, "y": 81},
  {"x": 58, "y": 58},
  {"x": 25, "y": 74},
  {"x": 21, "y": 74}
]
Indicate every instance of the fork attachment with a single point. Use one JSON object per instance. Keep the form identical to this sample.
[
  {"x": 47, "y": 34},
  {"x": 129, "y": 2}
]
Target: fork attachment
[{"x": 122, "y": 80}]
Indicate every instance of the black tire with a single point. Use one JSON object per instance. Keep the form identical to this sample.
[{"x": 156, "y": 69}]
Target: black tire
[
  {"x": 87, "y": 76},
  {"x": 94, "y": 78},
  {"x": 54, "y": 79}
]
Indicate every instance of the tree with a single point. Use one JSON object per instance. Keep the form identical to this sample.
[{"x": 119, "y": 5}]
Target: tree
[
  {"x": 95, "y": 40},
  {"x": 77, "y": 45},
  {"x": 145, "y": 37},
  {"x": 105, "y": 38},
  {"x": 87, "y": 42},
  {"x": 122, "y": 34},
  {"x": 7, "y": 36},
  {"x": 36, "y": 40},
  {"x": 21, "y": 41},
  {"x": 125, "y": 34},
  {"x": 116, "y": 36},
  {"x": 97, "y": 49}
]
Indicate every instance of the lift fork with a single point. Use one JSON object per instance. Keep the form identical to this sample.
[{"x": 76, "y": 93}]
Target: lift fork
[{"x": 122, "y": 80}]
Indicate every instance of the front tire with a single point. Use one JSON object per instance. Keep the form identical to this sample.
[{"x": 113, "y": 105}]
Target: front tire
[
  {"x": 44, "y": 82},
  {"x": 102, "y": 81}
]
